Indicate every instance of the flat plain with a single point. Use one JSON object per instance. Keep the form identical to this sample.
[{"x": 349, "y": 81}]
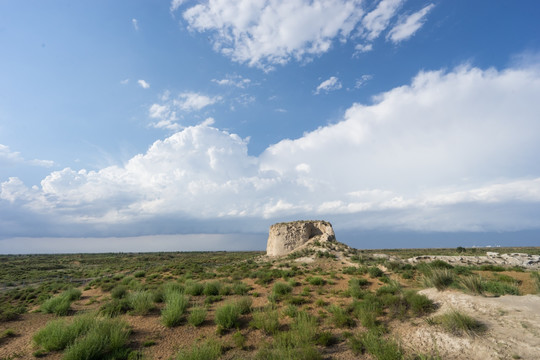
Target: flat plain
[{"x": 328, "y": 301}]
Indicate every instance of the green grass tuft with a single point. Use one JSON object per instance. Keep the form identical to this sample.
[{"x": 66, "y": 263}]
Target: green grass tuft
[
  {"x": 227, "y": 316},
  {"x": 266, "y": 320},
  {"x": 473, "y": 284},
  {"x": 141, "y": 302},
  {"x": 440, "y": 278},
  {"x": 341, "y": 317},
  {"x": 197, "y": 316},
  {"x": 208, "y": 350},
  {"x": 459, "y": 323},
  {"x": 175, "y": 307}
]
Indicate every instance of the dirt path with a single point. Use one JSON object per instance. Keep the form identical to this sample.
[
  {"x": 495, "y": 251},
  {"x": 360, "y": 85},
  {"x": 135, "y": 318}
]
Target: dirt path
[{"x": 513, "y": 328}]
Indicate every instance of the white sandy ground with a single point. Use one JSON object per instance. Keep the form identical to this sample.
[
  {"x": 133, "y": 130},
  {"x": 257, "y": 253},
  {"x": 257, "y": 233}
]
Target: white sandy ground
[{"x": 513, "y": 328}]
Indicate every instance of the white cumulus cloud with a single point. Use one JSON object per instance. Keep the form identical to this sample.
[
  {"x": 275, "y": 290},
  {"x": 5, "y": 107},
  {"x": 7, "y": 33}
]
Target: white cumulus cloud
[
  {"x": 166, "y": 112},
  {"x": 328, "y": 85},
  {"x": 451, "y": 151},
  {"x": 377, "y": 20},
  {"x": 409, "y": 25},
  {"x": 266, "y": 33}
]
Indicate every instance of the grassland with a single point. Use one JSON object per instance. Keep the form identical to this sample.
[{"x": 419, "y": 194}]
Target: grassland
[{"x": 234, "y": 305}]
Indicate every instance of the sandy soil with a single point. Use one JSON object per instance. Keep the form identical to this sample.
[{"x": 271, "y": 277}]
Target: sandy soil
[{"x": 513, "y": 328}]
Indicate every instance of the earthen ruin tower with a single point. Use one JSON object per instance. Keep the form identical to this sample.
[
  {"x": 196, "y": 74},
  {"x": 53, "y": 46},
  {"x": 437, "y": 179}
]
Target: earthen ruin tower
[{"x": 284, "y": 238}]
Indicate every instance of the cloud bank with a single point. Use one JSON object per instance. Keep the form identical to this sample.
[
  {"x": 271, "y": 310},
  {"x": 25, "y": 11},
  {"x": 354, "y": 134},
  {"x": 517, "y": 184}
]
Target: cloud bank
[{"x": 451, "y": 151}]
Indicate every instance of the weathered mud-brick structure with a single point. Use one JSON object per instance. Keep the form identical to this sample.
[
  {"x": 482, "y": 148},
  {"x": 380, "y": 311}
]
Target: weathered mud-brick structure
[{"x": 286, "y": 237}]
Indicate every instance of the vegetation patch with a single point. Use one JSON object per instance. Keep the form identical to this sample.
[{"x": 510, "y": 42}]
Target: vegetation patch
[
  {"x": 175, "y": 307},
  {"x": 85, "y": 337},
  {"x": 458, "y": 323},
  {"x": 209, "y": 350}
]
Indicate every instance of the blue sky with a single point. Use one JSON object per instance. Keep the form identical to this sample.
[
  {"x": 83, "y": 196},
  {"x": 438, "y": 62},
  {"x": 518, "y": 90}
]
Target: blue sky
[{"x": 142, "y": 118}]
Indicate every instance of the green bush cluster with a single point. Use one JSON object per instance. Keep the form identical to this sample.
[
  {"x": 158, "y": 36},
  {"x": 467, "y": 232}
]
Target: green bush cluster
[
  {"x": 85, "y": 337},
  {"x": 60, "y": 304},
  {"x": 227, "y": 316},
  {"x": 208, "y": 350},
  {"x": 458, "y": 323},
  {"x": 175, "y": 307},
  {"x": 298, "y": 343},
  {"x": 266, "y": 320}
]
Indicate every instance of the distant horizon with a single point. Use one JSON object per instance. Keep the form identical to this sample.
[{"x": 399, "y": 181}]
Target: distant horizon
[{"x": 257, "y": 242}]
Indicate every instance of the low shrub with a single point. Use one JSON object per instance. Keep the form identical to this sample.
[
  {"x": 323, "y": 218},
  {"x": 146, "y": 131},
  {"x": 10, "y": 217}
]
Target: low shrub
[
  {"x": 115, "y": 307},
  {"x": 139, "y": 274},
  {"x": 379, "y": 347},
  {"x": 266, "y": 320},
  {"x": 141, "y": 302},
  {"x": 419, "y": 304},
  {"x": 305, "y": 325},
  {"x": 491, "y": 267},
  {"x": 393, "y": 287},
  {"x": 193, "y": 288},
  {"x": 368, "y": 310},
  {"x": 86, "y": 337},
  {"x": 212, "y": 288},
  {"x": 240, "y": 288},
  {"x": 297, "y": 300},
  {"x": 440, "y": 264},
  {"x": 296, "y": 344},
  {"x": 291, "y": 311},
  {"x": 473, "y": 284},
  {"x": 57, "y": 305},
  {"x": 316, "y": 281},
  {"x": 212, "y": 299},
  {"x": 106, "y": 340},
  {"x": 244, "y": 304},
  {"x": 281, "y": 289},
  {"x": 239, "y": 340},
  {"x": 60, "y": 304},
  {"x": 59, "y": 334},
  {"x": 440, "y": 278},
  {"x": 119, "y": 292},
  {"x": 175, "y": 307},
  {"x": 9, "y": 312},
  {"x": 341, "y": 317},
  {"x": 197, "y": 316},
  {"x": 227, "y": 316},
  {"x": 208, "y": 350},
  {"x": 459, "y": 323},
  {"x": 499, "y": 288},
  {"x": 72, "y": 294},
  {"x": 375, "y": 272},
  {"x": 356, "y": 288}
]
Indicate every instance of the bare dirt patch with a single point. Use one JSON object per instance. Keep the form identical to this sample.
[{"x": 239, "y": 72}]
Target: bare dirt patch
[{"x": 513, "y": 328}]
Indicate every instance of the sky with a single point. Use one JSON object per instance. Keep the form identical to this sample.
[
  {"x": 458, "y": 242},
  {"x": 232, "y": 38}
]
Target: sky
[{"x": 132, "y": 125}]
